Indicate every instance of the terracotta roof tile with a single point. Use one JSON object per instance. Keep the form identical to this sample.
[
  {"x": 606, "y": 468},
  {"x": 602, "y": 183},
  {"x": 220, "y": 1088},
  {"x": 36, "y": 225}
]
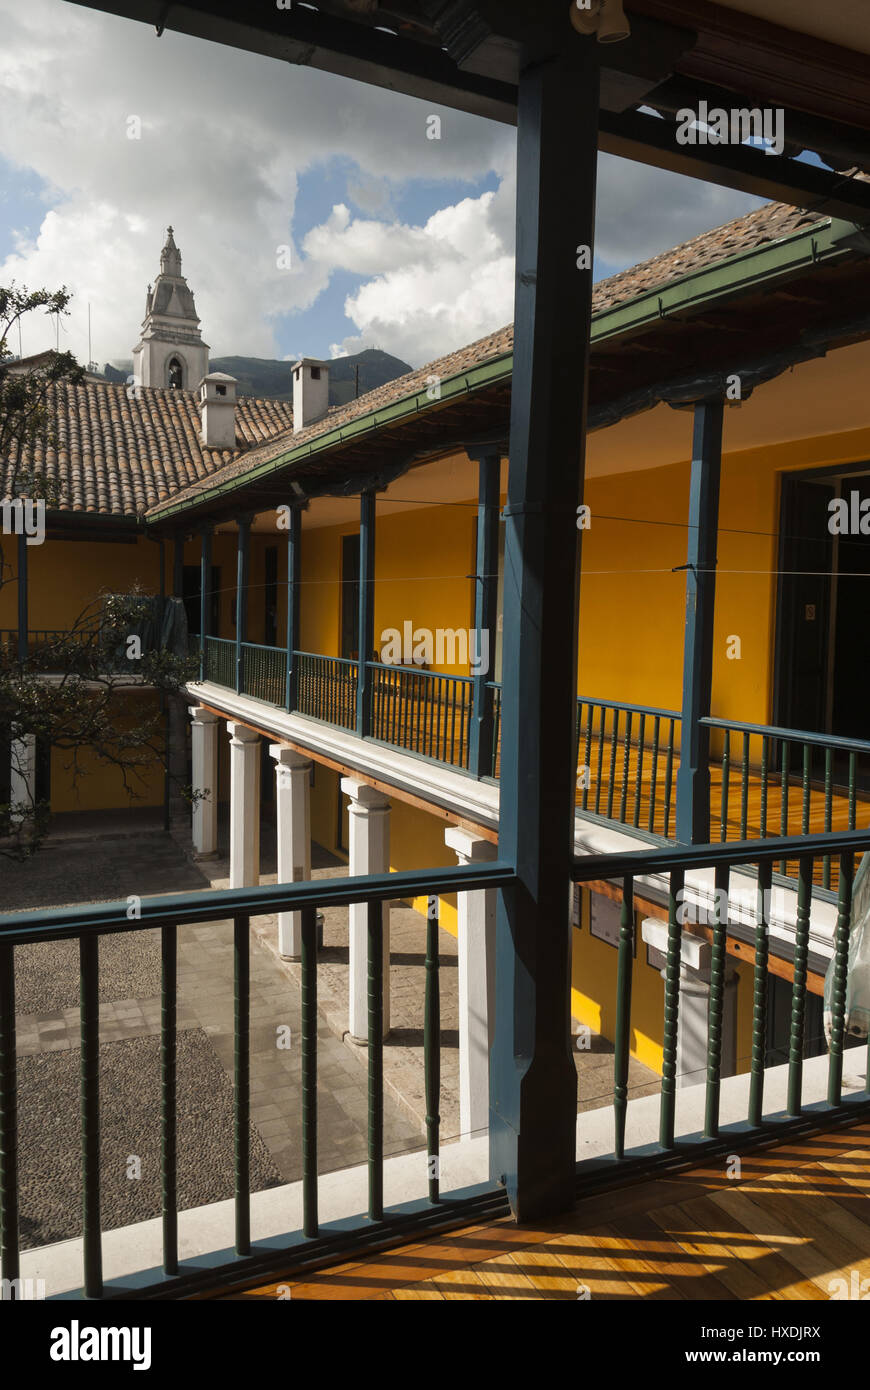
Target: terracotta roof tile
[{"x": 125, "y": 455}]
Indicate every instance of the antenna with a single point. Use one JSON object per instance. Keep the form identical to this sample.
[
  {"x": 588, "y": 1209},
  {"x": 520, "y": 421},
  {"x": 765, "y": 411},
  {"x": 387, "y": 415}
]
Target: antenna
[{"x": 90, "y": 359}]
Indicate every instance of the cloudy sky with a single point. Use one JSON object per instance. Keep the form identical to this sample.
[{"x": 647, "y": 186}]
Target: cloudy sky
[{"x": 313, "y": 214}]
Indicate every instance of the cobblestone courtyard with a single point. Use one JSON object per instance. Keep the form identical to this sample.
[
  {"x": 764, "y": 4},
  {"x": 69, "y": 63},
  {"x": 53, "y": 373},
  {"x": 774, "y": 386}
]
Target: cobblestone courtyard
[{"x": 101, "y": 858}]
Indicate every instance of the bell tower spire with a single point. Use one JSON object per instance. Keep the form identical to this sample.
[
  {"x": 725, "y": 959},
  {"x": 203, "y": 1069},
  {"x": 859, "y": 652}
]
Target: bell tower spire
[{"x": 170, "y": 352}]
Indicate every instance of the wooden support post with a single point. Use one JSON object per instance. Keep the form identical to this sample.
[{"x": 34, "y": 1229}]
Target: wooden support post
[
  {"x": 294, "y": 561},
  {"x": 23, "y": 617},
  {"x": 533, "y": 1082},
  {"x": 205, "y": 582},
  {"x": 243, "y": 558},
  {"x": 693, "y": 776},
  {"x": 485, "y": 609},
  {"x": 366, "y": 612}
]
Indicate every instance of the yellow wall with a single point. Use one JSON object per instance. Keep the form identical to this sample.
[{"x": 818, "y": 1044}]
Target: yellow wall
[{"x": 593, "y": 995}]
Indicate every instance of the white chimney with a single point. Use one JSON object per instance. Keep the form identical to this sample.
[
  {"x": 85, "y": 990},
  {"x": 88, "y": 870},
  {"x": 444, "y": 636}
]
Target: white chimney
[
  {"x": 217, "y": 408},
  {"x": 310, "y": 392}
]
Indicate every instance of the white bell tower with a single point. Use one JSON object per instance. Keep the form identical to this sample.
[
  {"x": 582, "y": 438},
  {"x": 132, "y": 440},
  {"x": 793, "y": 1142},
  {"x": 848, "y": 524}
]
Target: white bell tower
[{"x": 170, "y": 352}]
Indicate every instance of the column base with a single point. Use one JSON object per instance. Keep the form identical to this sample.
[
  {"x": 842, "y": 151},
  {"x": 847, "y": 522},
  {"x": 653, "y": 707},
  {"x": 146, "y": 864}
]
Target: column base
[{"x": 364, "y": 1042}]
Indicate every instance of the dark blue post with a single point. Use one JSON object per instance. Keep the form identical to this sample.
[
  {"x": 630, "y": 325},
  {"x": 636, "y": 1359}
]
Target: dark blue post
[
  {"x": 485, "y": 608},
  {"x": 294, "y": 560},
  {"x": 243, "y": 558},
  {"x": 178, "y": 567},
  {"x": 693, "y": 776},
  {"x": 204, "y": 596},
  {"x": 366, "y": 611},
  {"x": 23, "y": 618},
  {"x": 533, "y": 1082}
]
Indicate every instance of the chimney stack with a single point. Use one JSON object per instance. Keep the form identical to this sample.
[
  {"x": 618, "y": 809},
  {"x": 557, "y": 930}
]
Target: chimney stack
[
  {"x": 310, "y": 392},
  {"x": 217, "y": 409}
]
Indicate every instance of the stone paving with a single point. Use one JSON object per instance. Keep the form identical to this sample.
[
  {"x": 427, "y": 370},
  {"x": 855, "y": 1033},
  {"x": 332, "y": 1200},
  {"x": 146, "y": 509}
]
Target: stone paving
[
  {"x": 92, "y": 859},
  {"x": 77, "y": 865}
]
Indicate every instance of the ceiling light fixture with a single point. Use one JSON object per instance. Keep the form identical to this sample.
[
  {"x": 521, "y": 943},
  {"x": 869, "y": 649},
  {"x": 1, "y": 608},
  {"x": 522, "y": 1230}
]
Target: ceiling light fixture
[{"x": 606, "y": 18}]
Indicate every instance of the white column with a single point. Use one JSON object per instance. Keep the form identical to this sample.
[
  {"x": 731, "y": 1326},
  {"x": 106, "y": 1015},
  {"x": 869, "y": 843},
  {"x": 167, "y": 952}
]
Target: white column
[
  {"x": 694, "y": 1004},
  {"x": 476, "y": 929},
  {"x": 369, "y": 844},
  {"x": 293, "y": 811},
  {"x": 244, "y": 806},
  {"x": 22, "y": 777},
  {"x": 204, "y": 756}
]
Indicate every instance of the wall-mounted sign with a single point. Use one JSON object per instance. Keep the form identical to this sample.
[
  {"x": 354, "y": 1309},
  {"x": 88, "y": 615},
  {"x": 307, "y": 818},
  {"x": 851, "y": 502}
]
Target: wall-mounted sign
[{"x": 604, "y": 919}]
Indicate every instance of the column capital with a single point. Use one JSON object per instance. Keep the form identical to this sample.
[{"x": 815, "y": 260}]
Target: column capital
[
  {"x": 200, "y": 715},
  {"x": 469, "y": 848},
  {"x": 479, "y": 452},
  {"x": 244, "y": 519},
  {"x": 240, "y": 733},
  {"x": 364, "y": 795},
  {"x": 206, "y": 528},
  {"x": 288, "y": 757}
]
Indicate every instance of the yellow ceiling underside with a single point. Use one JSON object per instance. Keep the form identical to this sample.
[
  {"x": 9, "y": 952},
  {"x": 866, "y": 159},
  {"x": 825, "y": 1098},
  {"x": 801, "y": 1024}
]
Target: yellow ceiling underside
[{"x": 844, "y": 22}]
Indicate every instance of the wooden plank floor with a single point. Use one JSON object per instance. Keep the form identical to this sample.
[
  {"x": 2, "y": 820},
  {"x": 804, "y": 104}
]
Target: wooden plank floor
[{"x": 796, "y": 1220}]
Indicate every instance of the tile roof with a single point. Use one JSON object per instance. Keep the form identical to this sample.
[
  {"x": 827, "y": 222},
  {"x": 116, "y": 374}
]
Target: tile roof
[
  {"x": 768, "y": 223},
  {"x": 126, "y": 456},
  {"x": 120, "y": 453}
]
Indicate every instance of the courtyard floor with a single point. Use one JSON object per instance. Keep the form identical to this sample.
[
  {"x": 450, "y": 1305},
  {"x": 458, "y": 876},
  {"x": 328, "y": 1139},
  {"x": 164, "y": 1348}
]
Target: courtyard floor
[{"x": 104, "y": 857}]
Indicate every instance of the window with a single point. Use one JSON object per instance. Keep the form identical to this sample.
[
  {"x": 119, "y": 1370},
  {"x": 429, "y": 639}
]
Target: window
[
  {"x": 175, "y": 375},
  {"x": 315, "y": 373},
  {"x": 221, "y": 390}
]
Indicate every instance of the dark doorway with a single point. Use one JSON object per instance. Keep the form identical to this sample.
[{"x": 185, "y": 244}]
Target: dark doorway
[
  {"x": 779, "y": 1023},
  {"x": 191, "y": 596},
  {"x": 350, "y": 597},
  {"x": 823, "y": 651},
  {"x": 270, "y": 597},
  {"x": 806, "y": 550}
]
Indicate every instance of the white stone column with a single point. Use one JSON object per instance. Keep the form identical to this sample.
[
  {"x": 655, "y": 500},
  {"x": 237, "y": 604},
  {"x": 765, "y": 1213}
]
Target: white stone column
[
  {"x": 244, "y": 806},
  {"x": 22, "y": 777},
  {"x": 204, "y": 762},
  {"x": 369, "y": 844},
  {"x": 476, "y": 929},
  {"x": 293, "y": 813},
  {"x": 694, "y": 1004}
]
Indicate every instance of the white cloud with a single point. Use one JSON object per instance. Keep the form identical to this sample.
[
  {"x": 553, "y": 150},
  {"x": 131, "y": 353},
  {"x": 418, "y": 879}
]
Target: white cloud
[{"x": 225, "y": 137}]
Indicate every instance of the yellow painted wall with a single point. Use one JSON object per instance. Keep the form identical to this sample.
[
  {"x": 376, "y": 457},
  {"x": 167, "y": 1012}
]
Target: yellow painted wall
[{"x": 593, "y": 995}]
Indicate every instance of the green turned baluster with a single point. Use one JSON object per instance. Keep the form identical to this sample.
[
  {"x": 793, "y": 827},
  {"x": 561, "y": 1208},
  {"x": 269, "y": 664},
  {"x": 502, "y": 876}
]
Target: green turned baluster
[
  {"x": 432, "y": 1049},
  {"x": 89, "y": 1061},
  {"x": 9, "y": 1226},
  {"x": 651, "y": 815},
  {"x": 626, "y": 758},
  {"x": 168, "y": 1092},
  {"x": 744, "y": 787},
  {"x": 672, "y": 1012},
  {"x": 669, "y": 779},
  {"x": 621, "y": 1042},
  {"x": 829, "y": 806},
  {"x": 765, "y": 752},
  {"x": 717, "y": 1002},
  {"x": 798, "y": 997},
  {"x": 641, "y": 735},
  {"x": 614, "y": 739},
  {"x": 309, "y": 1072},
  {"x": 806, "y": 790},
  {"x": 375, "y": 948},
  {"x": 759, "y": 993},
  {"x": 783, "y": 812},
  {"x": 838, "y": 991},
  {"x": 242, "y": 1080},
  {"x": 600, "y": 768},
  {"x": 726, "y": 772},
  {"x": 587, "y": 763}
]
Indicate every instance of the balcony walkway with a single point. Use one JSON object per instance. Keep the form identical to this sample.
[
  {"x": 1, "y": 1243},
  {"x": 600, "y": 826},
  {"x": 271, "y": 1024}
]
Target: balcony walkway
[{"x": 795, "y": 1222}]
